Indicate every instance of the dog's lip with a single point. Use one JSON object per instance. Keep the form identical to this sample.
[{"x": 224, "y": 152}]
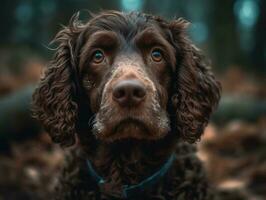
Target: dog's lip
[{"x": 131, "y": 120}]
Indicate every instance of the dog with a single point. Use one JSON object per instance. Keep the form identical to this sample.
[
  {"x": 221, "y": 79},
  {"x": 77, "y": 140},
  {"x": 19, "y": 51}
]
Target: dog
[{"x": 132, "y": 94}]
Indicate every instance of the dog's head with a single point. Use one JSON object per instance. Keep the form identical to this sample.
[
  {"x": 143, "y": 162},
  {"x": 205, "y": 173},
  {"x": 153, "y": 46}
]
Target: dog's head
[{"x": 128, "y": 76}]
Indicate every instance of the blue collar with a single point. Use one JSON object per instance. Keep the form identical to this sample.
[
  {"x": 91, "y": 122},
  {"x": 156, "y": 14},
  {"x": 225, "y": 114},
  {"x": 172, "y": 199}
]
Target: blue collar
[{"x": 133, "y": 190}]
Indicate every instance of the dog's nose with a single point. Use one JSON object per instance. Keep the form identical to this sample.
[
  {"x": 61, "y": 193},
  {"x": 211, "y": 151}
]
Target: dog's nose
[{"x": 129, "y": 92}]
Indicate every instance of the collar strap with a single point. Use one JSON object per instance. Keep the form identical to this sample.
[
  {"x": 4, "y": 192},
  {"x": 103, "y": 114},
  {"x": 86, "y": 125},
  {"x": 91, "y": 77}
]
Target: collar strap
[{"x": 133, "y": 190}]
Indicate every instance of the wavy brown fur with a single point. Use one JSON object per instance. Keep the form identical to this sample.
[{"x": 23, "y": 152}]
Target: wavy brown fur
[{"x": 68, "y": 98}]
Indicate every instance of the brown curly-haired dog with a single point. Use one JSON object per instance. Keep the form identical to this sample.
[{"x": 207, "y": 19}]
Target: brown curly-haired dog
[{"x": 132, "y": 90}]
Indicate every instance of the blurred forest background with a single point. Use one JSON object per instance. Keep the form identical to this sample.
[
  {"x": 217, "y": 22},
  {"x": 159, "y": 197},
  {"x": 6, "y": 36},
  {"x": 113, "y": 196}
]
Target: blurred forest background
[{"x": 232, "y": 33}]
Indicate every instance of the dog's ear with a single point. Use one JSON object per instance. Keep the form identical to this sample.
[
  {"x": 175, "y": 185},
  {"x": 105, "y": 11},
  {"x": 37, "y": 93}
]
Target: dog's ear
[
  {"x": 196, "y": 92},
  {"x": 53, "y": 103}
]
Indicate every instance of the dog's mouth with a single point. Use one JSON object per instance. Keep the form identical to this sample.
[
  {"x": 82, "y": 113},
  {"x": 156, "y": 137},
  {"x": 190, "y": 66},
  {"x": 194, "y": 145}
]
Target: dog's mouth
[
  {"x": 128, "y": 128},
  {"x": 131, "y": 123}
]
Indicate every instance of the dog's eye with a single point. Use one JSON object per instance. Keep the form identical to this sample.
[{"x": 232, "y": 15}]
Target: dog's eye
[
  {"x": 156, "y": 55},
  {"x": 98, "y": 56}
]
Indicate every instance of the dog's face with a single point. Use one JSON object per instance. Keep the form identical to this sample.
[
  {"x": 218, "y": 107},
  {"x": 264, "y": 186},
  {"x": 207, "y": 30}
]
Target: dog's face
[
  {"x": 135, "y": 71},
  {"x": 126, "y": 74}
]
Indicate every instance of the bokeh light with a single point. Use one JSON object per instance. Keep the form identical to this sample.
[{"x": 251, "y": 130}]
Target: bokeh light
[
  {"x": 132, "y": 5},
  {"x": 23, "y": 12},
  {"x": 247, "y": 12},
  {"x": 47, "y": 6},
  {"x": 199, "y": 32}
]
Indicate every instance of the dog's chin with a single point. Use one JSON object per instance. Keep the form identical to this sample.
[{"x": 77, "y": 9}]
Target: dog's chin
[{"x": 130, "y": 128}]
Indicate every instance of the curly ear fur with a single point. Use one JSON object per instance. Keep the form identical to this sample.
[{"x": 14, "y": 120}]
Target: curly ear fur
[
  {"x": 53, "y": 105},
  {"x": 197, "y": 92}
]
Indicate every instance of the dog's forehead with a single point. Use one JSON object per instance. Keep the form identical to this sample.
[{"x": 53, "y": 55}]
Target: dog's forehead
[{"x": 126, "y": 25}]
